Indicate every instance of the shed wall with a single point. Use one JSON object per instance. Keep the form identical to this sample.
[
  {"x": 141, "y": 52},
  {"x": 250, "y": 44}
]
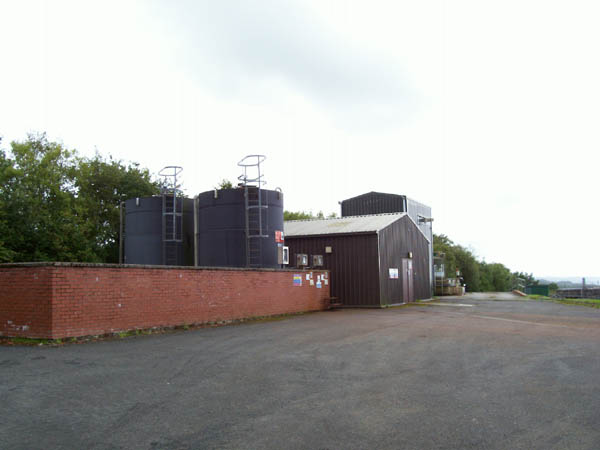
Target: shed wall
[
  {"x": 414, "y": 210},
  {"x": 353, "y": 263},
  {"x": 395, "y": 242}
]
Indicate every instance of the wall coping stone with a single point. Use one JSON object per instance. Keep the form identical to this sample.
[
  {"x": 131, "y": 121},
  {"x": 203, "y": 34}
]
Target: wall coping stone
[{"x": 149, "y": 266}]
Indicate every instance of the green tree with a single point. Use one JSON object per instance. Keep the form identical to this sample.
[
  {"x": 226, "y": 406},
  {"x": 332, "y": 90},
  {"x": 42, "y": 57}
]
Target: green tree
[
  {"x": 500, "y": 277},
  {"x": 442, "y": 244},
  {"x": 55, "y": 206},
  {"x": 485, "y": 278},
  {"x": 6, "y": 254},
  {"x": 101, "y": 185},
  {"x": 303, "y": 215},
  {"x": 523, "y": 279},
  {"x": 38, "y": 203},
  {"x": 224, "y": 184},
  {"x": 469, "y": 268},
  {"x": 478, "y": 275},
  {"x": 297, "y": 215}
]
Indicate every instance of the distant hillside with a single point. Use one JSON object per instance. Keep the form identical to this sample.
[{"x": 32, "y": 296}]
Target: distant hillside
[
  {"x": 569, "y": 282},
  {"x": 561, "y": 284}
]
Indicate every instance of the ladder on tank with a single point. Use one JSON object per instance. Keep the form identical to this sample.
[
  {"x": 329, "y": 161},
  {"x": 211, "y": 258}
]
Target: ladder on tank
[
  {"x": 172, "y": 215},
  {"x": 255, "y": 222}
]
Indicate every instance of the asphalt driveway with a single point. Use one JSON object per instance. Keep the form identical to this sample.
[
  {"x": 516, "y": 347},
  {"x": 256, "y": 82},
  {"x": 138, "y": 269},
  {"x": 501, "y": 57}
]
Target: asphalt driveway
[{"x": 498, "y": 374}]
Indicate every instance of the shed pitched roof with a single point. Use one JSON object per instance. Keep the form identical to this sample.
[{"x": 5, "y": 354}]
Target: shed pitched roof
[{"x": 344, "y": 225}]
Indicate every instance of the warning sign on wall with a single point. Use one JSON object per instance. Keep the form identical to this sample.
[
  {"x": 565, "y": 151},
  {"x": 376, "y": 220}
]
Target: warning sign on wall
[
  {"x": 297, "y": 280},
  {"x": 278, "y": 236}
]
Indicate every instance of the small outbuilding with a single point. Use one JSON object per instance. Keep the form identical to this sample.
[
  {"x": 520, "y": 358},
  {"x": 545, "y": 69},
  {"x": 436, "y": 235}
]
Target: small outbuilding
[
  {"x": 538, "y": 289},
  {"x": 375, "y": 260},
  {"x": 380, "y": 203}
]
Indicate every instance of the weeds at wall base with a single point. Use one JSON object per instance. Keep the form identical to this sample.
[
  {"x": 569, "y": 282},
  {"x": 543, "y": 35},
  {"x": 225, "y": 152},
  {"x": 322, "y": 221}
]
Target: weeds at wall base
[{"x": 22, "y": 341}]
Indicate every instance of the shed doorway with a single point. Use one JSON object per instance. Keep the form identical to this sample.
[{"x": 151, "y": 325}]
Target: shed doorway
[{"x": 408, "y": 290}]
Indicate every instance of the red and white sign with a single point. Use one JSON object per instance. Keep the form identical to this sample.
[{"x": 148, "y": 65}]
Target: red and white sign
[{"x": 278, "y": 236}]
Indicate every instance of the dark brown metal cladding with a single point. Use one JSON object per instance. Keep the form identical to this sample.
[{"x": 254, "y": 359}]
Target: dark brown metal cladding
[
  {"x": 380, "y": 203},
  {"x": 353, "y": 264},
  {"x": 360, "y": 263},
  {"x": 395, "y": 243}
]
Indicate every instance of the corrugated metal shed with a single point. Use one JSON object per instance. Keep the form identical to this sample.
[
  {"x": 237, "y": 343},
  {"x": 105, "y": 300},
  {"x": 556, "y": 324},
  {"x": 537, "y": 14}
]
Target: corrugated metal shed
[
  {"x": 373, "y": 203},
  {"x": 344, "y": 225},
  {"x": 380, "y": 202},
  {"x": 363, "y": 253}
]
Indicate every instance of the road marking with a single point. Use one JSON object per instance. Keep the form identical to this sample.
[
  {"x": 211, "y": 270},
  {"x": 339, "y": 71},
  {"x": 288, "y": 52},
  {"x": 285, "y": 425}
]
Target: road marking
[
  {"x": 448, "y": 304},
  {"x": 520, "y": 321},
  {"x": 523, "y": 322},
  {"x": 515, "y": 320}
]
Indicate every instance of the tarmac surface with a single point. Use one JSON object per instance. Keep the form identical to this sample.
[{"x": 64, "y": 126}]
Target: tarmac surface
[{"x": 501, "y": 374}]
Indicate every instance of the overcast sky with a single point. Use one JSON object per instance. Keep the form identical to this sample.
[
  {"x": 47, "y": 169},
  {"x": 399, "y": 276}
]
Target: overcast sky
[{"x": 489, "y": 112}]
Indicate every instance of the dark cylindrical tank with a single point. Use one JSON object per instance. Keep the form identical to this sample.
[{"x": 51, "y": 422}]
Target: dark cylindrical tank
[
  {"x": 222, "y": 228},
  {"x": 144, "y": 233}
]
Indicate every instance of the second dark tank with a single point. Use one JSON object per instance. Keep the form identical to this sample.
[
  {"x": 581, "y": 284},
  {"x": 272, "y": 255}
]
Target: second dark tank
[{"x": 222, "y": 216}]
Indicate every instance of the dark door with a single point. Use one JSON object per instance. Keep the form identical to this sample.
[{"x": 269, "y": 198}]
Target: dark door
[{"x": 407, "y": 281}]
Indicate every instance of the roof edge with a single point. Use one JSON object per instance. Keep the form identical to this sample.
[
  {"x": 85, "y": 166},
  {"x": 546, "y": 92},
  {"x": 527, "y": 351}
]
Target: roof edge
[
  {"x": 398, "y": 213},
  {"x": 353, "y": 233}
]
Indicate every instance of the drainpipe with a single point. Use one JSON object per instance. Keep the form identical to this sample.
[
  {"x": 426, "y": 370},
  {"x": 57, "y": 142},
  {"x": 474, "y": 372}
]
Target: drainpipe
[
  {"x": 196, "y": 201},
  {"x": 121, "y": 232}
]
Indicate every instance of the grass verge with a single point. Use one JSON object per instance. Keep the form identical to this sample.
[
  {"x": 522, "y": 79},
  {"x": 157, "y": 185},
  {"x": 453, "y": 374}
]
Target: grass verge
[{"x": 590, "y": 302}]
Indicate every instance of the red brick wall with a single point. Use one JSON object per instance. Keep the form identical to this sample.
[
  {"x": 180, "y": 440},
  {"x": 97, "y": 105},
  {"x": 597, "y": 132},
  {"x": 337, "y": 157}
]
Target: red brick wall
[
  {"x": 26, "y": 301},
  {"x": 63, "y": 300}
]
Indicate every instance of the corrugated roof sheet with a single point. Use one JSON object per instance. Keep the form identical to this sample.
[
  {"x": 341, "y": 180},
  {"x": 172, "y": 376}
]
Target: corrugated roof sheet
[{"x": 343, "y": 225}]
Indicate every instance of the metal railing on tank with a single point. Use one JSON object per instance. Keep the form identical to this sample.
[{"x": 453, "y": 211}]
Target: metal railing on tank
[
  {"x": 172, "y": 223},
  {"x": 252, "y": 179}
]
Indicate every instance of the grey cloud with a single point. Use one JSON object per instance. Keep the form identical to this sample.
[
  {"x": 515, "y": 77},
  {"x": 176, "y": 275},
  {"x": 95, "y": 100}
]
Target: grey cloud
[{"x": 235, "y": 44}]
